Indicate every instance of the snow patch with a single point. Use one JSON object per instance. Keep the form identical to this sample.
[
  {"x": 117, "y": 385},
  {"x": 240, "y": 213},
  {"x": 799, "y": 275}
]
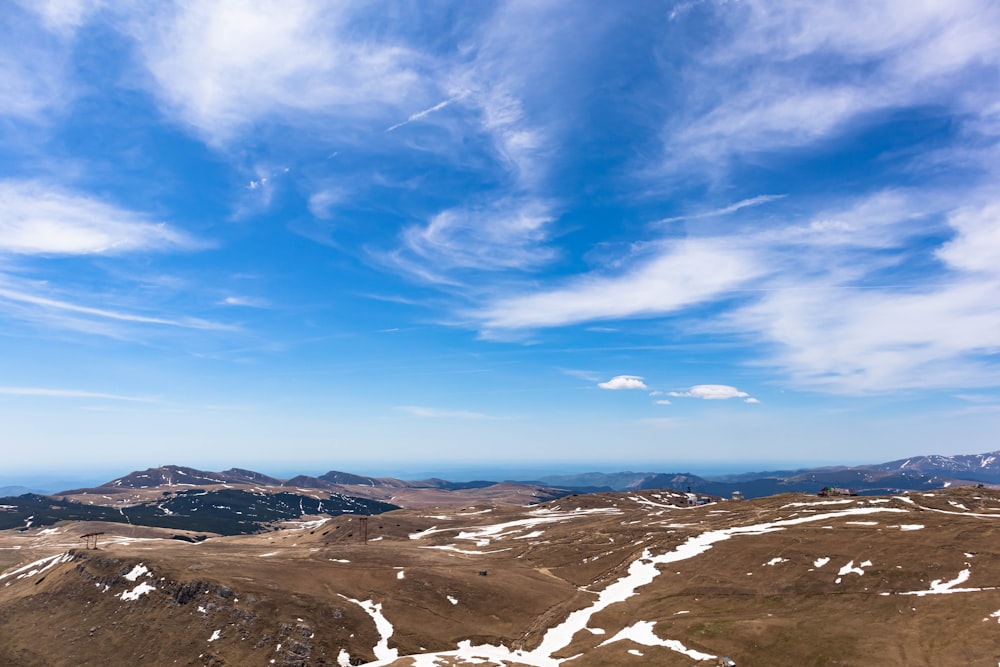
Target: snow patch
[
  {"x": 137, "y": 572},
  {"x": 381, "y": 650},
  {"x": 37, "y": 567},
  {"x": 850, "y": 569},
  {"x": 939, "y": 587},
  {"x": 642, "y": 633},
  {"x": 138, "y": 591}
]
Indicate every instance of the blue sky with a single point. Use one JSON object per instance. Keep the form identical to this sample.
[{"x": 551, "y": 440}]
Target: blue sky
[{"x": 292, "y": 235}]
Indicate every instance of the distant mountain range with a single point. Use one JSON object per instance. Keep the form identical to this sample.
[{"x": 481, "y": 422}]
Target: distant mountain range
[
  {"x": 915, "y": 473},
  {"x": 238, "y": 501}
]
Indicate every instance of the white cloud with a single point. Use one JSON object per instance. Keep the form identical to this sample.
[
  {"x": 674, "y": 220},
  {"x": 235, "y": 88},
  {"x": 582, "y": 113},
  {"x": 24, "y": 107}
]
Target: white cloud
[
  {"x": 426, "y": 112},
  {"x": 322, "y": 203},
  {"x": 588, "y": 376},
  {"x": 711, "y": 392},
  {"x": 247, "y": 301},
  {"x": 858, "y": 341},
  {"x": 882, "y": 219},
  {"x": 223, "y": 65},
  {"x": 39, "y": 219},
  {"x": 623, "y": 382},
  {"x": 976, "y": 246},
  {"x": 437, "y": 413},
  {"x": 831, "y": 331},
  {"x": 685, "y": 273},
  {"x": 63, "y": 16},
  {"x": 505, "y": 234},
  {"x": 931, "y": 53},
  {"x": 751, "y": 400},
  {"x": 33, "y": 65},
  {"x": 50, "y": 305},
  {"x": 70, "y": 393},
  {"x": 725, "y": 210},
  {"x": 663, "y": 401}
]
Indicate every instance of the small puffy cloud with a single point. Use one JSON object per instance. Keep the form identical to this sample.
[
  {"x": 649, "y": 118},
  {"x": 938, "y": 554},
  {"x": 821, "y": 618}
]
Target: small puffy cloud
[
  {"x": 751, "y": 400},
  {"x": 623, "y": 382},
  {"x": 663, "y": 401},
  {"x": 712, "y": 392}
]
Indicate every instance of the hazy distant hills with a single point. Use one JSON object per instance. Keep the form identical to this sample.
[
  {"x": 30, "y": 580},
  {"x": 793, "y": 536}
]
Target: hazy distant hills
[
  {"x": 915, "y": 473},
  {"x": 239, "y": 501},
  {"x": 13, "y": 490}
]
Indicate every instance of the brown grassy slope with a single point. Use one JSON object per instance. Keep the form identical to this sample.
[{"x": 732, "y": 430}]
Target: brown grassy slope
[{"x": 759, "y": 598}]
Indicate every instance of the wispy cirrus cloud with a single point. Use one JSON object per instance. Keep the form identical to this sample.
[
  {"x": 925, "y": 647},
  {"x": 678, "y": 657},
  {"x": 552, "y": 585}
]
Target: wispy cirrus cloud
[
  {"x": 931, "y": 54},
  {"x": 685, "y": 273},
  {"x": 36, "y": 218},
  {"x": 46, "y": 392},
  {"x": 501, "y": 235},
  {"x": 34, "y": 60},
  {"x": 224, "y": 65},
  {"x": 759, "y": 200},
  {"x": 61, "y": 306},
  {"x": 40, "y": 221},
  {"x": 246, "y": 301},
  {"x": 831, "y": 331},
  {"x": 424, "y": 412},
  {"x": 64, "y": 16},
  {"x": 424, "y": 113}
]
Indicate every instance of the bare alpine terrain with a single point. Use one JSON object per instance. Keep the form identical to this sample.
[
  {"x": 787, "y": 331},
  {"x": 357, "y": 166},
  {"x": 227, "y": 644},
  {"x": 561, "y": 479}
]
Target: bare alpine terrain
[{"x": 633, "y": 578}]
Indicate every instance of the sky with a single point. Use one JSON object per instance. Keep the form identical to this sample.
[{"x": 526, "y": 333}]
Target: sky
[{"x": 363, "y": 236}]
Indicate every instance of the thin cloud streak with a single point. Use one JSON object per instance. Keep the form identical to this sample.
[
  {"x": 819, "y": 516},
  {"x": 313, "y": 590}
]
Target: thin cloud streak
[
  {"x": 424, "y": 113},
  {"x": 424, "y": 412},
  {"x": 725, "y": 210},
  {"x": 187, "y": 323},
  {"x": 72, "y": 393}
]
